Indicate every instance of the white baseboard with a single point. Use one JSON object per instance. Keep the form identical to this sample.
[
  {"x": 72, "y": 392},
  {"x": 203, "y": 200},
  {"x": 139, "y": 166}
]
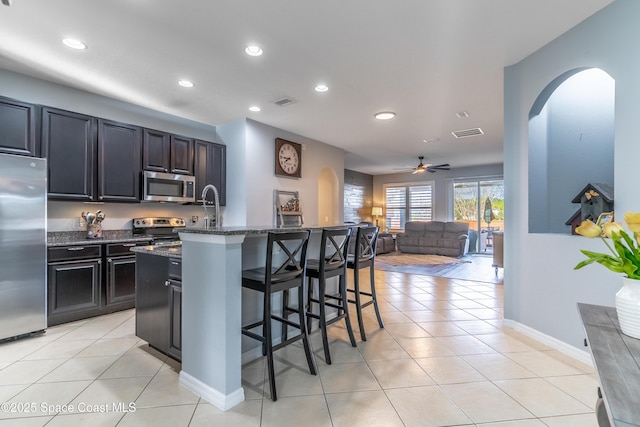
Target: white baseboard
[
  {"x": 213, "y": 396},
  {"x": 561, "y": 346}
]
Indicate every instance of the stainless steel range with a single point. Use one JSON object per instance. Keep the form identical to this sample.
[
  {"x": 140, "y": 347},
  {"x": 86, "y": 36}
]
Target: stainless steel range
[{"x": 161, "y": 229}]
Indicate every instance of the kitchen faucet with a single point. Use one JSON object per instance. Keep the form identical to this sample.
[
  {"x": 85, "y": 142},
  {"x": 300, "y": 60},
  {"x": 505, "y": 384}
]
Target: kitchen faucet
[{"x": 216, "y": 201}]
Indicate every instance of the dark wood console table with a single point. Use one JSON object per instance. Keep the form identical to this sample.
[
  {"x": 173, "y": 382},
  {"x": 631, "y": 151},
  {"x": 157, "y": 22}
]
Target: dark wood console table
[{"x": 617, "y": 361}]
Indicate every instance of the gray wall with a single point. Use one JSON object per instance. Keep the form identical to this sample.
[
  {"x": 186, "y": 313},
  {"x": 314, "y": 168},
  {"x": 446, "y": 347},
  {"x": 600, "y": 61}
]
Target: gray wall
[
  {"x": 570, "y": 145},
  {"x": 251, "y": 176},
  {"x": 540, "y": 285}
]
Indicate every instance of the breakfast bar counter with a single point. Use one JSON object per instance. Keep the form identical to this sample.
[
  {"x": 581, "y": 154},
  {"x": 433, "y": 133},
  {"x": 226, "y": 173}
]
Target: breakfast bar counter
[{"x": 212, "y": 264}]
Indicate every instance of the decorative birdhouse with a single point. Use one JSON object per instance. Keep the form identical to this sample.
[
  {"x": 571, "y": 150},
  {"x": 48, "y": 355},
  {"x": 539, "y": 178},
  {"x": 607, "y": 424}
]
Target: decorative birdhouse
[
  {"x": 594, "y": 199},
  {"x": 574, "y": 222}
]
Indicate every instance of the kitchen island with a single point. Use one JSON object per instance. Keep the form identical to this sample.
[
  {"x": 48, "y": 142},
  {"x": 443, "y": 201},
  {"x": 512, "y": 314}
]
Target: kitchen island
[{"x": 212, "y": 264}]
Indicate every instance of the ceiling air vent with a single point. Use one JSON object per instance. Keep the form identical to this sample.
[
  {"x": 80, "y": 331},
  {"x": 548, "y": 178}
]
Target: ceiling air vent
[
  {"x": 467, "y": 132},
  {"x": 283, "y": 102}
]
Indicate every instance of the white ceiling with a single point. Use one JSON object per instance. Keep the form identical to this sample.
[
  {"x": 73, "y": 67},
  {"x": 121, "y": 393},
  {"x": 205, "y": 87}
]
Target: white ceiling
[{"x": 423, "y": 59}]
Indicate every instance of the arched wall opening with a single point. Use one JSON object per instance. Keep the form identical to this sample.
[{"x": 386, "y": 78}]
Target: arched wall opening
[
  {"x": 571, "y": 144},
  {"x": 328, "y": 193}
]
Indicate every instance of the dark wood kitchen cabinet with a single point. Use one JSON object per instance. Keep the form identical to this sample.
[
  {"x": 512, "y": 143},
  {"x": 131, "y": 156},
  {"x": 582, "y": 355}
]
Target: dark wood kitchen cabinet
[
  {"x": 181, "y": 155},
  {"x": 159, "y": 302},
  {"x": 119, "y": 161},
  {"x": 91, "y": 159},
  {"x": 90, "y": 280},
  {"x": 69, "y": 144},
  {"x": 164, "y": 152},
  {"x": 210, "y": 168},
  {"x": 121, "y": 276},
  {"x": 156, "y": 150},
  {"x": 175, "y": 308},
  {"x": 18, "y": 128},
  {"x": 74, "y": 283}
]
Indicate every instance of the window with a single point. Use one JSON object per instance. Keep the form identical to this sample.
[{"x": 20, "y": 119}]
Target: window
[{"x": 408, "y": 202}]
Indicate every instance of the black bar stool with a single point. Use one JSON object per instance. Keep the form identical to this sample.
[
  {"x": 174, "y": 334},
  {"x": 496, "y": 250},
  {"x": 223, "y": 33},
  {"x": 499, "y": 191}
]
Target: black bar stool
[
  {"x": 281, "y": 276},
  {"x": 364, "y": 255},
  {"x": 332, "y": 262}
]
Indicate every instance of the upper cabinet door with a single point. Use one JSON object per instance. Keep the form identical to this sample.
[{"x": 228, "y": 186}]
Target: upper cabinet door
[
  {"x": 156, "y": 151},
  {"x": 119, "y": 161},
  {"x": 210, "y": 168},
  {"x": 69, "y": 144},
  {"x": 18, "y": 128},
  {"x": 181, "y": 155}
]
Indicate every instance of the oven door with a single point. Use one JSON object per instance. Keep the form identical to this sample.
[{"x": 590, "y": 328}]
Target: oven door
[{"x": 166, "y": 187}]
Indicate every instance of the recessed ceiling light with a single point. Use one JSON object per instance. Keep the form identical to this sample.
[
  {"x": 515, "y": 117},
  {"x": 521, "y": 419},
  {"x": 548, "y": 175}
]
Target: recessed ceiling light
[
  {"x": 74, "y": 43},
  {"x": 430, "y": 140},
  {"x": 462, "y": 114},
  {"x": 385, "y": 115},
  {"x": 253, "y": 50},
  {"x": 255, "y": 108},
  {"x": 321, "y": 87},
  {"x": 186, "y": 83}
]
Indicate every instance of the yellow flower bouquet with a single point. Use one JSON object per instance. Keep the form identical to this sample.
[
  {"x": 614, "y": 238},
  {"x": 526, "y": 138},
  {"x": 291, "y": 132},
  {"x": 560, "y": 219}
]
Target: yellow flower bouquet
[{"x": 625, "y": 252}]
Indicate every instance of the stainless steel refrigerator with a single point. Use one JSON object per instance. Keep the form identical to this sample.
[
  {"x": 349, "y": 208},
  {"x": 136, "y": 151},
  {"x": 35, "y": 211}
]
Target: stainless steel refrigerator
[{"x": 23, "y": 245}]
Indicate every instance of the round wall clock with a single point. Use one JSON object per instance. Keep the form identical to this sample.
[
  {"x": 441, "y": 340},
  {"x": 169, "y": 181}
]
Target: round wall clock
[{"x": 288, "y": 158}]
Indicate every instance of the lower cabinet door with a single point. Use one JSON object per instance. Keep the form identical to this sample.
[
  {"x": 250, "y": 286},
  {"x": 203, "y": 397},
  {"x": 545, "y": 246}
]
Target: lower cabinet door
[
  {"x": 73, "y": 290},
  {"x": 175, "y": 321},
  {"x": 152, "y": 300},
  {"x": 121, "y": 280}
]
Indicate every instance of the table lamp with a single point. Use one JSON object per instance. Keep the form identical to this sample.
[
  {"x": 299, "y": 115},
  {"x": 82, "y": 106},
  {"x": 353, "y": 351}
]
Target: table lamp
[{"x": 376, "y": 211}]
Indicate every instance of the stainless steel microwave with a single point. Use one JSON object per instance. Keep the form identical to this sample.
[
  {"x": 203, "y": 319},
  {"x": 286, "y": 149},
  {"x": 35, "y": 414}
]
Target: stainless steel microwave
[{"x": 168, "y": 187}]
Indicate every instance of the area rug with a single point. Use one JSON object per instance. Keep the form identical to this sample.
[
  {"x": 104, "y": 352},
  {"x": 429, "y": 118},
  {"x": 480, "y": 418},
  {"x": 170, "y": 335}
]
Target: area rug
[
  {"x": 396, "y": 259},
  {"x": 470, "y": 267}
]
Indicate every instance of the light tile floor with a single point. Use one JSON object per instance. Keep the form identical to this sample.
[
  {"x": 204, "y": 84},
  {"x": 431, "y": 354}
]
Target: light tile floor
[{"x": 443, "y": 359}]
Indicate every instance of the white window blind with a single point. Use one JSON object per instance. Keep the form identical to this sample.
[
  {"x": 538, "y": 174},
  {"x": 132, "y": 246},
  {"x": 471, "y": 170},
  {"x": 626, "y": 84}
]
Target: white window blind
[{"x": 414, "y": 202}]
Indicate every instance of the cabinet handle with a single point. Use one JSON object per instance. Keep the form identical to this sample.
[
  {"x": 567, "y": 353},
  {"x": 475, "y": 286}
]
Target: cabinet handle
[
  {"x": 128, "y": 245},
  {"x": 109, "y": 260},
  {"x": 175, "y": 263},
  {"x": 167, "y": 283},
  {"x": 99, "y": 262},
  {"x": 79, "y": 248}
]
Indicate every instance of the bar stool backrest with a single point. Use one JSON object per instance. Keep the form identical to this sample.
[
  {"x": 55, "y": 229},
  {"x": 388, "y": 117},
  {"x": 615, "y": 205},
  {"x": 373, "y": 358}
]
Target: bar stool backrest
[
  {"x": 293, "y": 247},
  {"x": 366, "y": 240},
  {"x": 334, "y": 245}
]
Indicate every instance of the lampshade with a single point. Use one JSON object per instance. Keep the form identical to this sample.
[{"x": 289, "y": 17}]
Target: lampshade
[{"x": 376, "y": 211}]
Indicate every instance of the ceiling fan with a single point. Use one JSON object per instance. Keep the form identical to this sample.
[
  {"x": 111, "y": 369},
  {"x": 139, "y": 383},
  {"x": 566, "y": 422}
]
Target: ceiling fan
[{"x": 429, "y": 168}]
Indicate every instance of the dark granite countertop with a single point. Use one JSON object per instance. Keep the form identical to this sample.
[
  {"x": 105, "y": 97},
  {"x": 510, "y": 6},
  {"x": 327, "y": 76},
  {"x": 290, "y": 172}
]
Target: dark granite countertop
[
  {"x": 170, "y": 250},
  {"x": 248, "y": 229},
  {"x": 66, "y": 238}
]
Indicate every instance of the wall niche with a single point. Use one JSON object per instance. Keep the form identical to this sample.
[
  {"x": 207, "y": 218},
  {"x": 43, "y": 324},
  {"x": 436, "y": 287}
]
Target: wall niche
[{"x": 571, "y": 144}]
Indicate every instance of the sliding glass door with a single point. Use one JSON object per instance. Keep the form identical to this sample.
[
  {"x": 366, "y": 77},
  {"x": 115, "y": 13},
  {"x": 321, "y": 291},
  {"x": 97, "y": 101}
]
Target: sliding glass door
[{"x": 481, "y": 204}]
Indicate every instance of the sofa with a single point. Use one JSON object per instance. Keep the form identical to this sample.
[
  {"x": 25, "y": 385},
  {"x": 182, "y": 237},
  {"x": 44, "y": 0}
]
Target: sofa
[
  {"x": 386, "y": 243},
  {"x": 434, "y": 238}
]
